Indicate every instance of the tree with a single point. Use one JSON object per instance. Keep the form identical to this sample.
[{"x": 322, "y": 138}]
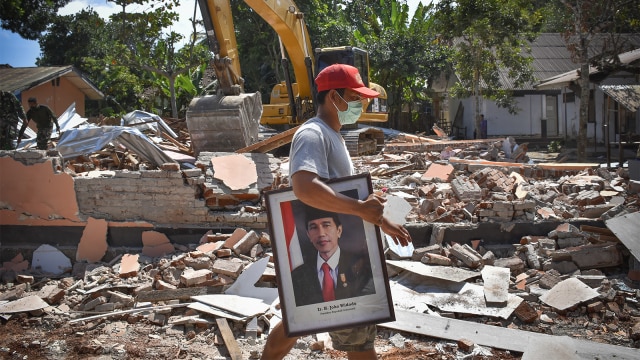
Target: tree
[
  {"x": 584, "y": 21},
  {"x": 403, "y": 52},
  {"x": 72, "y": 38},
  {"x": 258, "y": 50},
  {"x": 147, "y": 47},
  {"x": 28, "y": 18},
  {"x": 488, "y": 36}
]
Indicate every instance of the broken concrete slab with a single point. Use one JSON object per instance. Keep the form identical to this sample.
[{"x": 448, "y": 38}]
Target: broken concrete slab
[
  {"x": 436, "y": 272},
  {"x": 51, "y": 260},
  {"x": 496, "y": 285},
  {"x": 594, "y": 256},
  {"x": 156, "y": 244},
  {"x": 198, "y": 306},
  {"x": 447, "y": 296},
  {"x": 396, "y": 209},
  {"x": 235, "y": 171},
  {"x": 129, "y": 265},
  {"x": 93, "y": 243},
  {"x": 501, "y": 337},
  {"x": 626, "y": 228},
  {"x": 440, "y": 172},
  {"x": 25, "y": 304},
  {"x": 245, "y": 284},
  {"x": 568, "y": 293}
]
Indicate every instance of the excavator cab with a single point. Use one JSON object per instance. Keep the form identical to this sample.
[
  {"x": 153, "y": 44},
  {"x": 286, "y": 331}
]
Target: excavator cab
[{"x": 376, "y": 109}]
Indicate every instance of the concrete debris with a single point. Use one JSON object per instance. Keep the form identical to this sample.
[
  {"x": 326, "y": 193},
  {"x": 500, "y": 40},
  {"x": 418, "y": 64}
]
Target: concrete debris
[
  {"x": 48, "y": 259},
  {"x": 465, "y": 298},
  {"x": 568, "y": 293},
  {"x": 547, "y": 247}
]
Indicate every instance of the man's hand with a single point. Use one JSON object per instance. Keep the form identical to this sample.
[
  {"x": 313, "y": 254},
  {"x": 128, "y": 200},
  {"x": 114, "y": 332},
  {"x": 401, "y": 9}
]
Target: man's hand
[
  {"x": 372, "y": 208},
  {"x": 398, "y": 233}
]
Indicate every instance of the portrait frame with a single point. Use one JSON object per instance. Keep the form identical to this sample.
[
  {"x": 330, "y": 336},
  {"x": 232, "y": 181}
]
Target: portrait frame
[{"x": 293, "y": 250}]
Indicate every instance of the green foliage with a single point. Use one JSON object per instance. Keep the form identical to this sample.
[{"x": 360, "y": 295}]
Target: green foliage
[
  {"x": 555, "y": 146},
  {"x": 258, "y": 49},
  {"x": 582, "y": 21},
  {"x": 28, "y": 18},
  {"x": 487, "y": 36},
  {"x": 72, "y": 38},
  {"x": 404, "y": 53}
]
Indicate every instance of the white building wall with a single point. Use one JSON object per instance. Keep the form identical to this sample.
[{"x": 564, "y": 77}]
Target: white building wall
[
  {"x": 528, "y": 120},
  {"x": 500, "y": 123}
]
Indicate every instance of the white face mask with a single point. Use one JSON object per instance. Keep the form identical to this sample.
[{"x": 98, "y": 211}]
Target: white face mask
[{"x": 352, "y": 114}]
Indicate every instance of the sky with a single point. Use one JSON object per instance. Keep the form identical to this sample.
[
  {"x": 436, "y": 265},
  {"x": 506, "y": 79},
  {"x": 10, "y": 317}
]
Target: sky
[{"x": 19, "y": 52}]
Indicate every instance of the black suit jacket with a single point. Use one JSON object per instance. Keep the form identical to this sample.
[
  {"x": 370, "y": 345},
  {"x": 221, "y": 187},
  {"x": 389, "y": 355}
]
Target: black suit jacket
[{"x": 354, "y": 279}]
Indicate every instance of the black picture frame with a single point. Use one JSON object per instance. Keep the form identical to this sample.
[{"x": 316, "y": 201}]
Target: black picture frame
[{"x": 367, "y": 301}]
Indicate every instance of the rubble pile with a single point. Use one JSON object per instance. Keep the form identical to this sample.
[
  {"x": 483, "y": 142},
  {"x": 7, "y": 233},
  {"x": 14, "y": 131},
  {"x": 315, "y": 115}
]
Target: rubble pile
[
  {"x": 569, "y": 282},
  {"x": 499, "y": 194},
  {"x": 215, "y": 299},
  {"x": 168, "y": 135}
]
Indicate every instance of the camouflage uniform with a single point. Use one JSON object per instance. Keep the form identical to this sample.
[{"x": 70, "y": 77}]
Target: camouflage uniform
[
  {"x": 10, "y": 111},
  {"x": 44, "y": 119}
]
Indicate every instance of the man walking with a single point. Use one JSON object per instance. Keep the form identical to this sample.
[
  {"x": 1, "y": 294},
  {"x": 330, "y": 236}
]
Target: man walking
[
  {"x": 318, "y": 153},
  {"x": 44, "y": 119},
  {"x": 10, "y": 112}
]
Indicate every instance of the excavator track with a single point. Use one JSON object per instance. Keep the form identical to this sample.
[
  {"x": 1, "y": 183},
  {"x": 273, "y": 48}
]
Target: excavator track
[{"x": 366, "y": 141}]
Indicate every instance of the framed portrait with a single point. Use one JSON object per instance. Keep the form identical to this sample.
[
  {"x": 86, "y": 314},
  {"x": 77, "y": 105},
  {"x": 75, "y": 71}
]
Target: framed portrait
[{"x": 330, "y": 266}]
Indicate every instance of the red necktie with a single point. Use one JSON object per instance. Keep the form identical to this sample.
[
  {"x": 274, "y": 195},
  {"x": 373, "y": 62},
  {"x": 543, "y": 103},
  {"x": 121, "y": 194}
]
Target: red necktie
[{"x": 327, "y": 284}]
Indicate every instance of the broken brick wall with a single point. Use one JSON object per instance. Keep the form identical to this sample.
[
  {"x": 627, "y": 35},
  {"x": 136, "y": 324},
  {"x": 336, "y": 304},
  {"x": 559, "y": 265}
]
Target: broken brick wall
[{"x": 36, "y": 191}]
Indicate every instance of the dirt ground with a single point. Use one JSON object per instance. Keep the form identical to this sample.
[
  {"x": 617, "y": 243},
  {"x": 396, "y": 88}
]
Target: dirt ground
[{"x": 51, "y": 337}]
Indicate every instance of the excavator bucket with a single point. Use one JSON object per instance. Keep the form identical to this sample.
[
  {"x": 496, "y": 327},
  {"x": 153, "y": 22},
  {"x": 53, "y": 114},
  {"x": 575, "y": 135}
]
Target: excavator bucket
[{"x": 224, "y": 123}]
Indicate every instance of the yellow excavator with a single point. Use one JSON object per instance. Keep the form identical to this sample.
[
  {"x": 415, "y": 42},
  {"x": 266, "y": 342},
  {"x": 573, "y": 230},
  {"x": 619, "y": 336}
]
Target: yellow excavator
[{"x": 228, "y": 120}]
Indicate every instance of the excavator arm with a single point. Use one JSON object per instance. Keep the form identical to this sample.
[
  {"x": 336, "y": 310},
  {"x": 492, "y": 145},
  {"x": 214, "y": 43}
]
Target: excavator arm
[
  {"x": 218, "y": 23},
  {"x": 229, "y": 120},
  {"x": 288, "y": 22},
  {"x": 290, "y": 101}
]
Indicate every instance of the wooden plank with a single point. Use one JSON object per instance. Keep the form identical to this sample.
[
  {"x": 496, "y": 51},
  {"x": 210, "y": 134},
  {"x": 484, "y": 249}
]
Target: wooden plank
[
  {"x": 596, "y": 230},
  {"x": 175, "y": 142},
  {"x": 271, "y": 143},
  {"x": 177, "y": 294},
  {"x": 501, "y": 338},
  {"x": 229, "y": 340},
  {"x": 215, "y": 312},
  {"x": 129, "y": 311}
]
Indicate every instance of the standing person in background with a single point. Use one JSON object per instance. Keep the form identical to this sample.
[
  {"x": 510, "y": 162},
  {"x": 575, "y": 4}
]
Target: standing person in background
[
  {"x": 10, "y": 112},
  {"x": 318, "y": 153},
  {"x": 44, "y": 119},
  {"x": 483, "y": 127}
]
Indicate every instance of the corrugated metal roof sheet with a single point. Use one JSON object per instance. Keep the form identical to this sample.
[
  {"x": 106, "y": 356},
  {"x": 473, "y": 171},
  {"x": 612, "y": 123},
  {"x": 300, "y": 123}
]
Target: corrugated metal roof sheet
[
  {"x": 24, "y": 78},
  {"x": 627, "y": 95},
  {"x": 552, "y": 58},
  {"x": 565, "y": 79}
]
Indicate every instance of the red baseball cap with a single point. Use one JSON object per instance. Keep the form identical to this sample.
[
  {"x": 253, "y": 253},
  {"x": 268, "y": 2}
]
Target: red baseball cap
[{"x": 342, "y": 76}]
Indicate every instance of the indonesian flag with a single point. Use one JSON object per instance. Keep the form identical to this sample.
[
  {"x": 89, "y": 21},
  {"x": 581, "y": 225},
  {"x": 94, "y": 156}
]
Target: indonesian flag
[{"x": 291, "y": 235}]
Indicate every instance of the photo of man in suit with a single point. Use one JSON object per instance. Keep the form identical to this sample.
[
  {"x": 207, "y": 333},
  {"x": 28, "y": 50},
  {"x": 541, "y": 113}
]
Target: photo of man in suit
[{"x": 333, "y": 273}]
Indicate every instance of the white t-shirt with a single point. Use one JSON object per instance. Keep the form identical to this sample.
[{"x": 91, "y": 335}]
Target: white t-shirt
[{"x": 319, "y": 149}]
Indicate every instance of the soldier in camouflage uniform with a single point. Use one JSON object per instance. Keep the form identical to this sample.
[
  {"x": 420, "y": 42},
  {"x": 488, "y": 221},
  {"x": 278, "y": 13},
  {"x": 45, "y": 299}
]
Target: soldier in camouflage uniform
[
  {"x": 10, "y": 112},
  {"x": 44, "y": 118}
]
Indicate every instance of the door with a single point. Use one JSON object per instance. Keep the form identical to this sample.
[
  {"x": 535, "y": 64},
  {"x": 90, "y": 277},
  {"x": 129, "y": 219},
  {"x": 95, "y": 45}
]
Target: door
[{"x": 552, "y": 115}]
